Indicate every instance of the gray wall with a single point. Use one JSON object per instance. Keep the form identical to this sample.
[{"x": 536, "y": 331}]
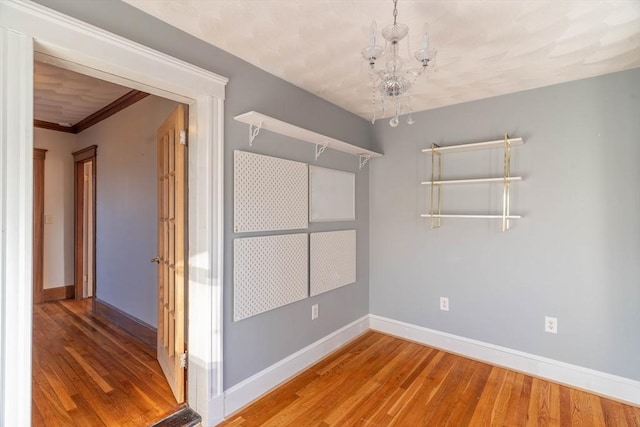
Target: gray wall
[
  {"x": 127, "y": 206},
  {"x": 254, "y": 344},
  {"x": 574, "y": 256},
  {"x": 58, "y": 203}
]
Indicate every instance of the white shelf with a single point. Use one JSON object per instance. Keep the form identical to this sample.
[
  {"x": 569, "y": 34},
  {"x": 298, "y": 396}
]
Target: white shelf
[
  {"x": 473, "y": 181},
  {"x": 287, "y": 129},
  {"x": 475, "y": 146},
  {"x": 471, "y": 216}
]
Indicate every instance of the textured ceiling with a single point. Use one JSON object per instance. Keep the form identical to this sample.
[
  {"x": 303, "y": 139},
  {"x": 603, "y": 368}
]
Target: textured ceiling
[
  {"x": 485, "y": 48},
  {"x": 63, "y": 96}
]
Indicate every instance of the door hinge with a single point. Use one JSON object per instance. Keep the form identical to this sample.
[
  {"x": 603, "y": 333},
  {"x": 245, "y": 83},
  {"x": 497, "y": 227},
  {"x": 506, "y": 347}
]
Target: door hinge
[
  {"x": 183, "y": 360},
  {"x": 183, "y": 137}
]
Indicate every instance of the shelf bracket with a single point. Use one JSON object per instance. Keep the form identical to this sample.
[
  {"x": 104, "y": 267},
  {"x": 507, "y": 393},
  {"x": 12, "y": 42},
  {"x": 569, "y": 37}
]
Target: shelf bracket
[
  {"x": 320, "y": 149},
  {"x": 254, "y": 130},
  {"x": 363, "y": 159}
]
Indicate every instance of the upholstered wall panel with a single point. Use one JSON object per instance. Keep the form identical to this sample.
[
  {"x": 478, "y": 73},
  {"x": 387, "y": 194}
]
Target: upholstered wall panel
[
  {"x": 333, "y": 260},
  {"x": 332, "y": 195},
  {"x": 269, "y": 193},
  {"x": 268, "y": 272}
]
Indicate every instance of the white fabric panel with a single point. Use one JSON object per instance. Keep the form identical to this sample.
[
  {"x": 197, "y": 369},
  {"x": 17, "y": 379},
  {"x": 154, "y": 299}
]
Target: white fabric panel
[
  {"x": 333, "y": 260},
  {"x": 269, "y": 272},
  {"x": 332, "y": 195},
  {"x": 269, "y": 193}
]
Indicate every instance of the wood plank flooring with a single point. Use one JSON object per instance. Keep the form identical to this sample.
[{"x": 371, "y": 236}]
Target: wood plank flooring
[
  {"x": 87, "y": 372},
  {"x": 379, "y": 380}
]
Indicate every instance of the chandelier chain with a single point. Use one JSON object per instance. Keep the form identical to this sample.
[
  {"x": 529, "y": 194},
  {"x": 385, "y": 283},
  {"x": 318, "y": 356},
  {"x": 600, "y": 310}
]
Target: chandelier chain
[{"x": 395, "y": 11}]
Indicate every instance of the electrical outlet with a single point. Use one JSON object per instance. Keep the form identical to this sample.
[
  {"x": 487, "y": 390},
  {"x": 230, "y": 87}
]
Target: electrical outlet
[
  {"x": 551, "y": 325},
  {"x": 444, "y": 303},
  {"x": 314, "y": 311}
]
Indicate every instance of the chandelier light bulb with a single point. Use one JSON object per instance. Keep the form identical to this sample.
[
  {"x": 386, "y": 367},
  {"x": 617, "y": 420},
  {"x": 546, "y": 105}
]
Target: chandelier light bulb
[{"x": 425, "y": 39}]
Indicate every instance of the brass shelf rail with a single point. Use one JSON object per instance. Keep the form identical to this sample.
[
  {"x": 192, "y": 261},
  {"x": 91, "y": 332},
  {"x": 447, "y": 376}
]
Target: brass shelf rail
[{"x": 435, "y": 208}]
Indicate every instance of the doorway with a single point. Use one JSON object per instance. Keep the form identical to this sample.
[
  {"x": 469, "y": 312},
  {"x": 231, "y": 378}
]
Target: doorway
[
  {"x": 85, "y": 162},
  {"x": 131, "y": 168},
  {"x": 100, "y": 52}
]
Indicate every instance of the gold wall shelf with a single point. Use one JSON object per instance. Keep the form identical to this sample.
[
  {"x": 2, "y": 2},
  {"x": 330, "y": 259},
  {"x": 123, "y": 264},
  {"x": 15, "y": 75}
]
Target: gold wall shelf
[{"x": 436, "y": 182}]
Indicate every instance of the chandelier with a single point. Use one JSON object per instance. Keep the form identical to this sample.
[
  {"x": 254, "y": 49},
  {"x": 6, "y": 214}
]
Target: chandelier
[{"x": 391, "y": 83}]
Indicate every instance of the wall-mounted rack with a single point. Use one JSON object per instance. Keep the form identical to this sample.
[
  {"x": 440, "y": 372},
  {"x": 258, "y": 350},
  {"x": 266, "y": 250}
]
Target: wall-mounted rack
[
  {"x": 258, "y": 121},
  {"x": 437, "y": 182},
  {"x": 498, "y": 143}
]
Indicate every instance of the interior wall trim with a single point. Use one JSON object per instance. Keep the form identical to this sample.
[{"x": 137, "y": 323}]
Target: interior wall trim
[
  {"x": 136, "y": 327},
  {"x": 80, "y": 158},
  {"x": 58, "y": 293},
  {"x": 16, "y": 217},
  {"x": 52, "y": 126},
  {"x": 255, "y": 386},
  {"x": 116, "y": 106},
  {"x": 601, "y": 383},
  {"x": 39, "y": 157},
  {"x": 105, "y": 112},
  {"x": 26, "y": 26}
]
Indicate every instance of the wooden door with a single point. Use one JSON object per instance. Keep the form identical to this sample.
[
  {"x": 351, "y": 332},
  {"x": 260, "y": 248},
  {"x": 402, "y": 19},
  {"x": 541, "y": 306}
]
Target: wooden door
[{"x": 171, "y": 251}]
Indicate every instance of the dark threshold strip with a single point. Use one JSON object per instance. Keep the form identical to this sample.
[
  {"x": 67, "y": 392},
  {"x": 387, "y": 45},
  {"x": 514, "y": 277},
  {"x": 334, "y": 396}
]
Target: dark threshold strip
[{"x": 185, "y": 417}]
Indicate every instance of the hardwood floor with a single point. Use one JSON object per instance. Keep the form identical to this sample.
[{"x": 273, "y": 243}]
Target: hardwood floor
[
  {"x": 379, "y": 380},
  {"x": 89, "y": 373}
]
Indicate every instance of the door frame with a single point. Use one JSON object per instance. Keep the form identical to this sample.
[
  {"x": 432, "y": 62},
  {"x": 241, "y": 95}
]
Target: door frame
[
  {"x": 80, "y": 158},
  {"x": 29, "y": 30},
  {"x": 39, "y": 157}
]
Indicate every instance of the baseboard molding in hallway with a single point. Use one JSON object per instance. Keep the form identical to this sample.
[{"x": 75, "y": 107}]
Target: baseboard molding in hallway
[{"x": 136, "y": 327}]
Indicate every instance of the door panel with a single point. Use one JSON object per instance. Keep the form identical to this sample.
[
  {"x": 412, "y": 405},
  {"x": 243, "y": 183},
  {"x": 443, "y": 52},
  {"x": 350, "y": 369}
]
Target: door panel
[{"x": 171, "y": 250}]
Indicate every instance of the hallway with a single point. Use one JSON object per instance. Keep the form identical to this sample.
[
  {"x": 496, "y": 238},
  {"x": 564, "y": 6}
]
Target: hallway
[{"x": 89, "y": 372}]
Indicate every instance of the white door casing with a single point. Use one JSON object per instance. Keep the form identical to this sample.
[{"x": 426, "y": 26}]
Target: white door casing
[
  {"x": 16, "y": 219},
  {"x": 26, "y": 28}
]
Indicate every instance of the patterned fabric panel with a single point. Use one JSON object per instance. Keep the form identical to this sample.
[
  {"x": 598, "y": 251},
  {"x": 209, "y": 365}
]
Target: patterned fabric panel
[
  {"x": 269, "y": 193},
  {"x": 269, "y": 272}
]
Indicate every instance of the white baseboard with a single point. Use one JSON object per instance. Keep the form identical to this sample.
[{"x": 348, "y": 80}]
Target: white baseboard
[
  {"x": 255, "y": 386},
  {"x": 215, "y": 408},
  {"x": 601, "y": 383},
  {"x": 615, "y": 387}
]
